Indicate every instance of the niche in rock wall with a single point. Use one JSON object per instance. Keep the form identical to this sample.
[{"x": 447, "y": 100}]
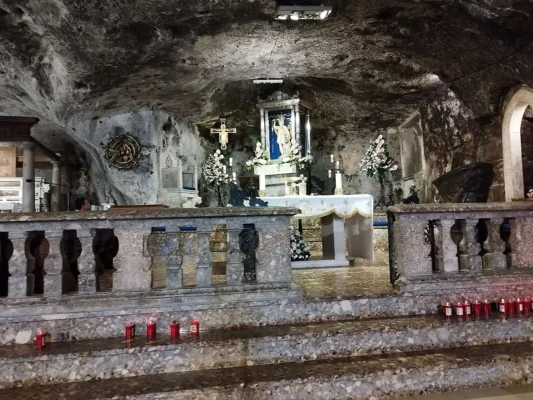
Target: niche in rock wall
[{"x": 526, "y": 137}]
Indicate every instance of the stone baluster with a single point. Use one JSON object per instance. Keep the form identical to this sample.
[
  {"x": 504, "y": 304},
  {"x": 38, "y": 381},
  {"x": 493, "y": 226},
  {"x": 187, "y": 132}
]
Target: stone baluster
[
  {"x": 132, "y": 263},
  {"x": 203, "y": 270},
  {"x": 469, "y": 259},
  {"x": 174, "y": 258},
  {"x": 53, "y": 264},
  {"x": 22, "y": 281},
  {"x": 234, "y": 264},
  {"x": 521, "y": 254},
  {"x": 273, "y": 253},
  {"x": 87, "y": 280},
  {"x": 446, "y": 259},
  {"x": 412, "y": 251},
  {"x": 494, "y": 258}
]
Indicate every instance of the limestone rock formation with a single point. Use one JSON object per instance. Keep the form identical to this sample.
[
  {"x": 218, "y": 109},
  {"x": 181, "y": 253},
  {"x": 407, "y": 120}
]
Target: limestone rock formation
[{"x": 87, "y": 68}]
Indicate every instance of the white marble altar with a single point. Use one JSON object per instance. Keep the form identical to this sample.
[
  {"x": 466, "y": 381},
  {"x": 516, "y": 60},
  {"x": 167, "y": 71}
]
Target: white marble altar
[{"x": 346, "y": 220}]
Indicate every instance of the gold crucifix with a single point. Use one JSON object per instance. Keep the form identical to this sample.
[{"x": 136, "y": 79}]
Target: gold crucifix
[{"x": 223, "y": 133}]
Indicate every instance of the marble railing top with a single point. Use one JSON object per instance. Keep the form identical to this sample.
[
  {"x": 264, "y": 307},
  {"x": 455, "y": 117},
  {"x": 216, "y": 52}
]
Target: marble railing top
[
  {"x": 166, "y": 213},
  {"x": 461, "y": 207}
]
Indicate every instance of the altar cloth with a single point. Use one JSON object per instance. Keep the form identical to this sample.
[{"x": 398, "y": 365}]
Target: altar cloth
[
  {"x": 347, "y": 223},
  {"x": 344, "y": 206}
]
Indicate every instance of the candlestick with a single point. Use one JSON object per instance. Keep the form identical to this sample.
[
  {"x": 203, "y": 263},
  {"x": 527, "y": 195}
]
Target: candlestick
[
  {"x": 332, "y": 158},
  {"x": 338, "y": 184},
  {"x": 234, "y": 177},
  {"x": 329, "y": 173},
  {"x": 337, "y": 165},
  {"x": 230, "y": 162},
  {"x": 224, "y": 168}
]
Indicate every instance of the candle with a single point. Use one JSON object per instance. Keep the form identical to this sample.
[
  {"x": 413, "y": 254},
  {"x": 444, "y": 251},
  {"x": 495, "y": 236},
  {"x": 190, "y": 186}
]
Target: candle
[
  {"x": 150, "y": 329},
  {"x": 230, "y": 162},
  {"x": 262, "y": 182},
  {"x": 130, "y": 331},
  {"x": 234, "y": 177},
  {"x": 338, "y": 180},
  {"x": 337, "y": 164},
  {"x": 174, "y": 330},
  {"x": 195, "y": 327},
  {"x": 332, "y": 158},
  {"x": 224, "y": 168},
  {"x": 329, "y": 173}
]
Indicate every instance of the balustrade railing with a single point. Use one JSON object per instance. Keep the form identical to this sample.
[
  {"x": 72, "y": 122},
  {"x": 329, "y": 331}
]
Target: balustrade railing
[
  {"x": 58, "y": 253},
  {"x": 445, "y": 239}
]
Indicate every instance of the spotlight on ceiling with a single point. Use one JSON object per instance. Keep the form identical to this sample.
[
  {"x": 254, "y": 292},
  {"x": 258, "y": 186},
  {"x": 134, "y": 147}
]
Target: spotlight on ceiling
[
  {"x": 296, "y": 13},
  {"x": 262, "y": 81}
]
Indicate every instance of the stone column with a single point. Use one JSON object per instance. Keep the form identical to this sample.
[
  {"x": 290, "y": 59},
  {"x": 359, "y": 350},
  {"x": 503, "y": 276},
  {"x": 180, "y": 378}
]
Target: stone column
[
  {"x": 411, "y": 248},
  {"x": 28, "y": 173},
  {"x": 56, "y": 189},
  {"x": 53, "y": 265},
  {"x": 494, "y": 246},
  {"x": 204, "y": 272},
  {"x": 297, "y": 129},
  {"x": 87, "y": 281},
  {"x": 22, "y": 281},
  {"x": 174, "y": 261},
  {"x": 132, "y": 263},
  {"x": 274, "y": 253},
  {"x": 234, "y": 264},
  {"x": 263, "y": 130},
  {"x": 308, "y": 135},
  {"x": 447, "y": 260},
  {"x": 469, "y": 259}
]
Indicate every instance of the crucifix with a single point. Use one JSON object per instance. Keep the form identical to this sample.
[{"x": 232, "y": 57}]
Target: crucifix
[{"x": 223, "y": 133}]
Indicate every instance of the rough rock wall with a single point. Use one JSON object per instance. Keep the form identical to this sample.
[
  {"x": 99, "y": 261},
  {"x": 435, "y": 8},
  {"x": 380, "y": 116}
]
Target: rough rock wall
[
  {"x": 453, "y": 138},
  {"x": 139, "y": 185}
]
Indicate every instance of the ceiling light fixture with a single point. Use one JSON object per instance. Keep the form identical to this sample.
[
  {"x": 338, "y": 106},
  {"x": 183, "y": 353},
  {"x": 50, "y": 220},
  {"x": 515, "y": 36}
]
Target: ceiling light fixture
[
  {"x": 267, "y": 80},
  {"x": 296, "y": 13}
]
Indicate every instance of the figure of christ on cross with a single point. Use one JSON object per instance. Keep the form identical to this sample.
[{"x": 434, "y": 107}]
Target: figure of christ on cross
[{"x": 223, "y": 133}]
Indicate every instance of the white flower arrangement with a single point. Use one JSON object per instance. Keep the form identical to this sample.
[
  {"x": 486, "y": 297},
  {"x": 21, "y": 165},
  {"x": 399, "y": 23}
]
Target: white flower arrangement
[
  {"x": 377, "y": 160},
  {"x": 260, "y": 158},
  {"x": 215, "y": 169},
  {"x": 300, "y": 250},
  {"x": 295, "y": 156}
]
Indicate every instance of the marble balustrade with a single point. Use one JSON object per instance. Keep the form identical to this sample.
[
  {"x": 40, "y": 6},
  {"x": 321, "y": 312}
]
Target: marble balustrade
[
  {"x": 142, "y": 235},
  {"x": 445, "y": 240}
]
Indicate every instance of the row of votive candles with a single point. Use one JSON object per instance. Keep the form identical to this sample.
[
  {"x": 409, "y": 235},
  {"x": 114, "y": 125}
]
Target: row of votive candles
[
  {"x": 511, "y": 306},
  {"x": 151, "y": 330}
]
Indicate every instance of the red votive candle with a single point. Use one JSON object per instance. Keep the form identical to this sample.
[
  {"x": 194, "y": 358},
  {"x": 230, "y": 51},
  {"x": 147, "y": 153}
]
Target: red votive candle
[
  {"x": 477, "y": 308},
  {"x": 150, "y": 330},
  {"x": 130, "y": 331},
  {"x": 460, "y": 309},
  {"x": 195, "y": 327},
  {"x": 527, "y": 305},
  {"x": 447, "y": 309},
  {"x": 40, "y": 340},
  {"x": 486, "y": 308},
  {"x": 511, "y": 306},
  {"x": 174, "y": 330},
  {"x": 502, "y": 306},
  {"x": 468, "y": 308},
  {"x": 519, "y": 305}
]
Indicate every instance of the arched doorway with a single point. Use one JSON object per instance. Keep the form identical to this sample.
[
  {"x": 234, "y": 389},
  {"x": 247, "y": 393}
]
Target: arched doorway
[{"x": 516, "y": 103}]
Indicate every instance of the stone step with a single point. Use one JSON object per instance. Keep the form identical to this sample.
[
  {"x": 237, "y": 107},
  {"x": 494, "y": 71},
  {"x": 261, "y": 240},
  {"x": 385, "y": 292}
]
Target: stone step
[
  {"x": 109, "y": 358},
  {"x": 361, "y": 377}
]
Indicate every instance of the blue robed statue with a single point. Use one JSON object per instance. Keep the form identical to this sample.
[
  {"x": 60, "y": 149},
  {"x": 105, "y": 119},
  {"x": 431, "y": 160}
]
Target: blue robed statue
[{"x": 280, "y": 136}]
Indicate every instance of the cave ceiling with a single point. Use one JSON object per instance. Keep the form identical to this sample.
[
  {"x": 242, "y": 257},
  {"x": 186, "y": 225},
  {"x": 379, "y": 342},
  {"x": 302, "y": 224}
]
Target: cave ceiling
[{"x": 368, "y": 65}]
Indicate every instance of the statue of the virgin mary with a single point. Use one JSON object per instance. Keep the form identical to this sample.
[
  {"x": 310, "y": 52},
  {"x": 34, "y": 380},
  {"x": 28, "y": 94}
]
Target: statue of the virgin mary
[{"x": 283, "y": 133}]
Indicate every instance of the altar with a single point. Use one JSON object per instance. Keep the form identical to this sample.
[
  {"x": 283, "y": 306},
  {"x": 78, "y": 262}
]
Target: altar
[{"x": 347, "y": 222}]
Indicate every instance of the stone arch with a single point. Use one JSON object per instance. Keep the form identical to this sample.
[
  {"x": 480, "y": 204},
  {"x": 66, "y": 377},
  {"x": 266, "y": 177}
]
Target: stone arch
[{"x": 515, "y": 105}]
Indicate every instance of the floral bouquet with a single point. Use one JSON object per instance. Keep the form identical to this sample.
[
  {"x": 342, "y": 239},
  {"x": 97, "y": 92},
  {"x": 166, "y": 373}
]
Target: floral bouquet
[
  {"x": 377, "y": 160},
  {"x": 215, "y": 170},
  {"x": 300, "y": 250},
  {"x": 294, "y": 157},
  {"x": 260, "y": 157}
]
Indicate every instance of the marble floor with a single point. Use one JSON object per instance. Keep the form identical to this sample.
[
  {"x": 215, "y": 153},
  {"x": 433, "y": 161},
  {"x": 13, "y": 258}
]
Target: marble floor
[{"x": 519, "y": 392}]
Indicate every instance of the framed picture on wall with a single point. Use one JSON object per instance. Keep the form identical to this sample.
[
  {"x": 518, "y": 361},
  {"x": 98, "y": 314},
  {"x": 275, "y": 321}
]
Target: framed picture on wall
[{"x": 8, "y": 161}]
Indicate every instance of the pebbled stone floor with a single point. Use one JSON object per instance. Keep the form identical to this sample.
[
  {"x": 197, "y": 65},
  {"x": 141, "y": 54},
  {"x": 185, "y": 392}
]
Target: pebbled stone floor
[{"x": 397, "y": 368}]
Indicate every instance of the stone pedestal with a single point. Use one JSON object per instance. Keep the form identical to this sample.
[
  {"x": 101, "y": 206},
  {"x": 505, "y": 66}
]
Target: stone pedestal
[{"x": 132, "y": 264}]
